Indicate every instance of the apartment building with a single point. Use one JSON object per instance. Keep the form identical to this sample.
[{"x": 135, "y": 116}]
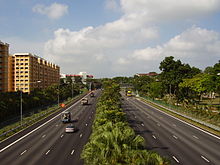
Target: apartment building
[
  {"x": 4, "y": 54},
  {"x": 31, "y": 71}
]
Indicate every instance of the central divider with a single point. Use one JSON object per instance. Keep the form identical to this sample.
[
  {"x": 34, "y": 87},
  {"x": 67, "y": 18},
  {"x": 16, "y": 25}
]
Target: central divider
[{"x": 112, "y": 140}]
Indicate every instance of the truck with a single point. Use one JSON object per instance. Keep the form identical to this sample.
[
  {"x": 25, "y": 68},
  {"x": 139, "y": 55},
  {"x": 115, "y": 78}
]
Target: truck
[
  {"x": 84, "y": 101},
  {"x": 129, "y": 93},
  {"x": 66, "y": 117}
]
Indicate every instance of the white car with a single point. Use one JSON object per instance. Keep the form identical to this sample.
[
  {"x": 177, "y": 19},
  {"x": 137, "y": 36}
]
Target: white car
[{"x": 70, "y": 129}]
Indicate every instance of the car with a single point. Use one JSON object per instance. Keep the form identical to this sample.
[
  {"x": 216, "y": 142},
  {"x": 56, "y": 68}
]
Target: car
[
  {"x": 84, "y": 101},
  {"x": 70, "y": 129}
]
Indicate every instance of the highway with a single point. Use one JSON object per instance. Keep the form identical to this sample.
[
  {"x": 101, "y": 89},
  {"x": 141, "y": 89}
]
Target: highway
[
  {"x": 48, "y": 143},
  {"x": 170, "y": 137}
]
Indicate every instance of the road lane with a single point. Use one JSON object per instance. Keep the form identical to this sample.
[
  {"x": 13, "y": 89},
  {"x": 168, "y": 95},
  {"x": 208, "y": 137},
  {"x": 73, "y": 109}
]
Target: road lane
[
  {"x": 50, "y": 144},
  {"x": 173, "y": 138}
]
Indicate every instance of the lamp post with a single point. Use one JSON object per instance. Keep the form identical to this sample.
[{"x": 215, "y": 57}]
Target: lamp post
[{"x": 21, "y": 99}]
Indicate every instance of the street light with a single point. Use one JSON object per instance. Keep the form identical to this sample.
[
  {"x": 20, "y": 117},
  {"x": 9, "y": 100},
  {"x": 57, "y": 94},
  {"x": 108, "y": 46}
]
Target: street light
[{"x": 21, "y": 107}]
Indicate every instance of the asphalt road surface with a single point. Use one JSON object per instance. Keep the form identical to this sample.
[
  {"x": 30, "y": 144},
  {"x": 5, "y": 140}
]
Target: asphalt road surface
[
  {"x": 170, "y": 137},
  {"x": 48, "y": 144}
]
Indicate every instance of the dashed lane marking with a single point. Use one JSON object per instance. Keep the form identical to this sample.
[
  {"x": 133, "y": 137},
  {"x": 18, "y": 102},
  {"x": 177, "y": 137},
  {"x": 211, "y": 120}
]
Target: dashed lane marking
[
  {"x": 43, "y": 136},
  {"x": 195, "y": 137},
  {"x": 80, "y": 135},
  {"x": 205, "y": 159},
  {"x": 61, "y": 136},
  {"x": 154, "y": 137},
  {"x": 72, "y": 152},
  {"x": 47, "y": 152},
  {"x": 175, "y": 159},
  {"x": 23, "y": 152},
  {"x": 175, "y": 137}
]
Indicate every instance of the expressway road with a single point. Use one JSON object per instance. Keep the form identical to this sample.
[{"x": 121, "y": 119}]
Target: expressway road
[
  {"x": 170, "y": 137},
  {"x": 50, "y": 144}
]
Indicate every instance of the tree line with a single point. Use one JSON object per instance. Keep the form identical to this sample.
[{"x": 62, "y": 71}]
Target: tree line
[
  {"x": 10, "y": 102},
  {"x": 112, "y": 140}
]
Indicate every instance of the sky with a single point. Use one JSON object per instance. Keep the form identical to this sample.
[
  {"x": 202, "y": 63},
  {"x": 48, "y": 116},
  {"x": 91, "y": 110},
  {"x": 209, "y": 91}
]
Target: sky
[{"x": 109, "y": 38}]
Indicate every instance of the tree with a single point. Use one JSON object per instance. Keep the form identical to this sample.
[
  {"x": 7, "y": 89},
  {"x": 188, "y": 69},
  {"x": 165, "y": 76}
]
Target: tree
[{"x": 173, "y": 73}]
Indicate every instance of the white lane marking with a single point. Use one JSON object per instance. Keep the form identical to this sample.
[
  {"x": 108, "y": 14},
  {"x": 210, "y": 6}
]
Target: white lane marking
[
  {"x": 217, "y": 137},
  {"x": 135, "y": 116},
  {"x": 37, "y": 127},
  {"x": 174, "y": 125},
  {"x": 72, "y": 152},
  {"x": 86, "y": 124},
  {"x": 195, "y": 137},
  {"x": 80, "y": 135},
  {"x": 154, "y": 136},
  {"x": 61, "y": 136},
  {"x": 205, "y": 159},
  {"x": 142, "y": 124},
  {"x": 47, "y": 152},
  {"x": 43, "y": 136},
  {"x": 175, "y": 137},
  {"x": 57, "y": 125},
  {"x": 89, "y": 117},
  {"x": 175, "y": 159},
  {"x": 23, "y": 152}
]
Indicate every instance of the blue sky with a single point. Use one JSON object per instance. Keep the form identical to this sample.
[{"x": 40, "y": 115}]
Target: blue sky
[{"x": 109, "y": 38}]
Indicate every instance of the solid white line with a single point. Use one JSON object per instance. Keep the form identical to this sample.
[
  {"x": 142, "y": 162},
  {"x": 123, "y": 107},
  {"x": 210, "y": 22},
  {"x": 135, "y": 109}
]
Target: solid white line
[
  {"x": 72, "y": 152},
  {"x": 23, "y": 152},
  {"x": 175, "y": 137},
  {"x": 184, "y": 122},
  {"x": 195, "y": 137},
  {"x": 205, "y": 158},
  {"x": 175, "y": 159},
  {"x": 154, "y": 136},
  {"x": 47, "y": 152},
  {"x": 16, "y": 141}
]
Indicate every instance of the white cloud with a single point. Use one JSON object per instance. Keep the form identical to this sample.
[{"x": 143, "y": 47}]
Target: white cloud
[
  {"x": 195, "y": 46},
  {"x": 162, "y": 10},
  {"x": 54, "y": 11},
  {"x": 111, "y": 4},
  {"x": 112, "y": 48}
]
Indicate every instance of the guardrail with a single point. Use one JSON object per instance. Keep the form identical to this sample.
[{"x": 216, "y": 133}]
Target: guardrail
[{"x": 186, "y": 116}]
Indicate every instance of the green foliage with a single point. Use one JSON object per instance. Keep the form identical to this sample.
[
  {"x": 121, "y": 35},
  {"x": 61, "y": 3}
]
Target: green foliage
[
  {"x": 112, "y": 140},
  {"x": 37, "y": 99}
]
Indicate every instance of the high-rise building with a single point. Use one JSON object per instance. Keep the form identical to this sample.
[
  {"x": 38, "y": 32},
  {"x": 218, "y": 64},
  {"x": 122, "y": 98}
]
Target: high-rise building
[
  {"x": 4, "y": 53},
  {"x": 31, "y": 71}
]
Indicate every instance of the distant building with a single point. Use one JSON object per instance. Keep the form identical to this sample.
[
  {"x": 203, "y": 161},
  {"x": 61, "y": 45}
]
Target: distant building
[
  {"x": 31, "y": 71},
  {"x": 151, "y": 74},
  {"x": 4, "y": 54},
  {"x": 83, "y": 75}
]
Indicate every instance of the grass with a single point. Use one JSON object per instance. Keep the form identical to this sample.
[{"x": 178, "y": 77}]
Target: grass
[
  {"x": 30, "y": 120},
  {"x": 183, "y": 118}
]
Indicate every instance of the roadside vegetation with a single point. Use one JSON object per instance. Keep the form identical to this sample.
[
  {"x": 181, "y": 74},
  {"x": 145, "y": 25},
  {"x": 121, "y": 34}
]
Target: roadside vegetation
[
  {"x": 181, "y": 87},
  {"x": 112, "y": 140}
]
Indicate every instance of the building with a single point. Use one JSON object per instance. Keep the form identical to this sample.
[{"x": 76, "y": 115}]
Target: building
[
  {"x": 151, "y": 74},
  {"x": 4, "y": 54},
  {"x": 31, "y": 71}
]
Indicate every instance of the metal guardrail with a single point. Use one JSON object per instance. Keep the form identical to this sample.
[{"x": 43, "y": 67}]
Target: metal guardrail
[{"x": 186, "y": 116}]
